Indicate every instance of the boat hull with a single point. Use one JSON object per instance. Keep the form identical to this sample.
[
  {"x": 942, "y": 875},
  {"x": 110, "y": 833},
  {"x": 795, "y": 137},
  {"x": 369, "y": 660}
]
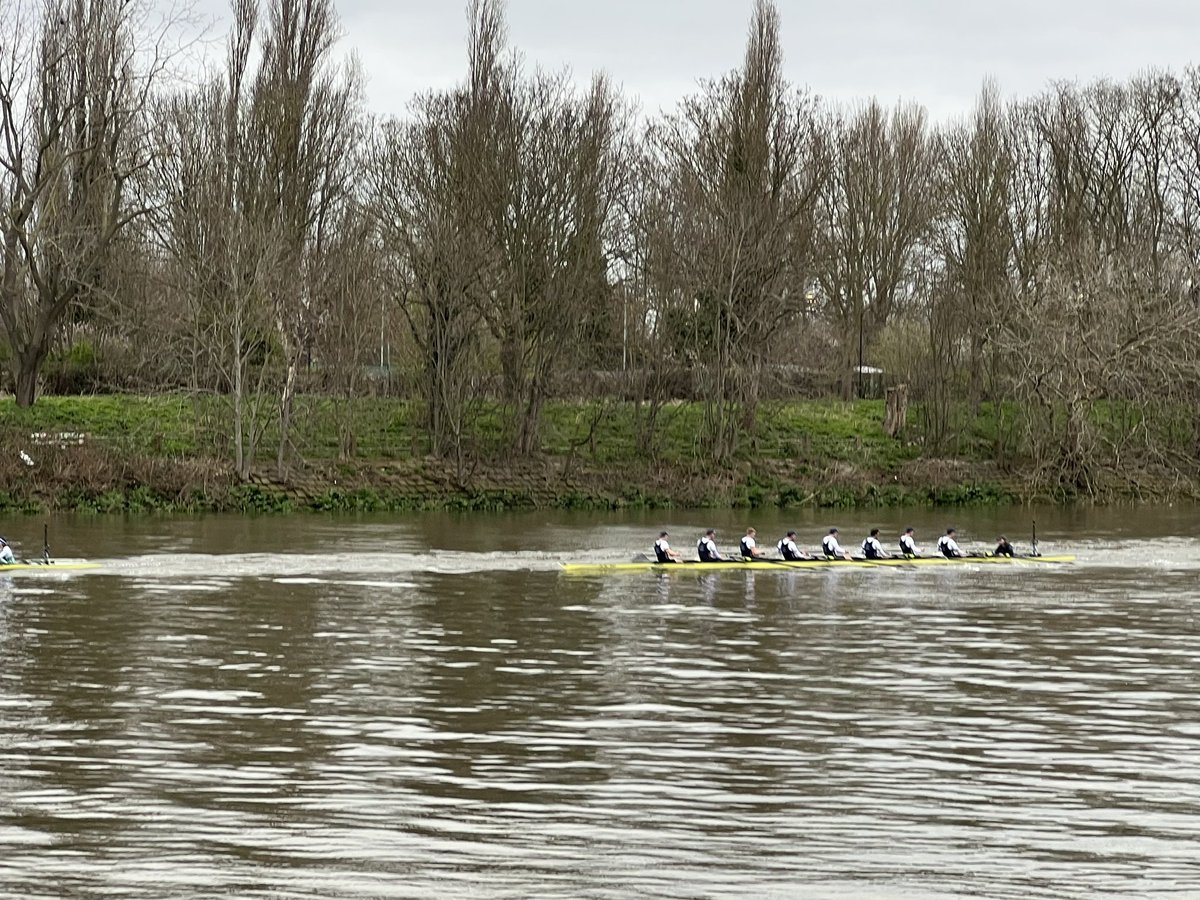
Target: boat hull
[
  {"x": 780, "y": 564},
  {"x": 31, "y": 568}
]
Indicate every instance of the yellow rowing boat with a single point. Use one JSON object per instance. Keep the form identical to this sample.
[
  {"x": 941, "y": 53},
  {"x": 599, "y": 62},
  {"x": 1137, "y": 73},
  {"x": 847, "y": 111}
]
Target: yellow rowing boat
[
  {"x": 769, "y": 565},
  {"x": 44, "y": 568}
]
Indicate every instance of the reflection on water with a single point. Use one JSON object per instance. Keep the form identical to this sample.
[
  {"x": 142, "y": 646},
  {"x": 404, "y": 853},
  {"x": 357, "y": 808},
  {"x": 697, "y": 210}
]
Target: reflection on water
[{"x": 509, "y": 732}]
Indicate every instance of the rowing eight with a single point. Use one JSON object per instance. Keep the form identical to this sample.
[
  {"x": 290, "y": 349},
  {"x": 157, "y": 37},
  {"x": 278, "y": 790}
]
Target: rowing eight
[{"x": 770, "y": 564}]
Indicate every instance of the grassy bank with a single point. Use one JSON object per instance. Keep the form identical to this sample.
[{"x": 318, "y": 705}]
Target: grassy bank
[{"x": 115, "y": 454}]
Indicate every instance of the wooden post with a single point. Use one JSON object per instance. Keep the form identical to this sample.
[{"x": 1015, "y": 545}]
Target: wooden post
[{"x": 897, "y": 410}]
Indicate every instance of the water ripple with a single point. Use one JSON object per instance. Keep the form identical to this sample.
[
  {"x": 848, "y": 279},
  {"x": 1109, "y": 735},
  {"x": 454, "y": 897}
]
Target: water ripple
[{"x": 511, "y": 733}]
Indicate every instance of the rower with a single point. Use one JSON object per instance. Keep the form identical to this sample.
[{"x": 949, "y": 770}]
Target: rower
[
  {"x": 787, "y": 547},
  {"x": 706, "y": 547},
  {"x": 871, "y": 547},
  {"x": 831, "y": 548},
  {"x": 663, "y": 552},
  {"x": 748, "y": 546},
  {"x": 1004, "y": 548},
  {"x": 908, "y": 544},
  {"x": 947, "y": 546},
  {"x": 6, "y": 554}
]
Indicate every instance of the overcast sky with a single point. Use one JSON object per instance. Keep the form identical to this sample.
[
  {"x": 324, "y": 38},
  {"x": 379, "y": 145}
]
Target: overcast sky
[{"x": 936, "y": 52}]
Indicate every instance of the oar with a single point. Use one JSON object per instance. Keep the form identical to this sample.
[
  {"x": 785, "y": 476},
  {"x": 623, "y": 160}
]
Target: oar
[
  {"x": 46, "y": 543},
  {"x": 1035, "y": 547}
]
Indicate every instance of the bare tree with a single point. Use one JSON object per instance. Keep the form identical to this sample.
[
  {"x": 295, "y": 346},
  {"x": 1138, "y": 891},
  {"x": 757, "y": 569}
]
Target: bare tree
[
  {"x": 495, "y": 203},
  {"x": 562, "y": 168},
  {"x": 738, "y": 181},
  {"x": 427, "y": 202},
  {"x": 1099, "y": 337},
  {"x": 250, "y": 197},
  {"x": 213, "y": 223},
  {"x": 432, "y": 181},
  {"x": 651, "y": 363},
  {"x": 1105, "y": 345},
  {"x": 974, "y": 243},
  {"x": 876, "y": 213},
  {"x": 350, "y": 288},
  {"x": 1183, "y": 196},
  {"x": 305, "y": 124},
  {"x": 75, "y": 79}
]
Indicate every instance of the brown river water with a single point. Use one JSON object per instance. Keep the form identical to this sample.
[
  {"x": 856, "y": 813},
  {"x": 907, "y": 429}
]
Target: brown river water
[{"x": 425, "y": 706}]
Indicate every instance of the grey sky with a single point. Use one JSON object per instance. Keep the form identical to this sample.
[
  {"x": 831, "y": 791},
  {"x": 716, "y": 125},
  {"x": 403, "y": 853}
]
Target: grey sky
[{"x": 934, "y": 51}]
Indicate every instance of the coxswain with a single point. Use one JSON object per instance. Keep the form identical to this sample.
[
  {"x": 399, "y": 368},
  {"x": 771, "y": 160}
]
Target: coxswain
[
  {"x": 6, "y": 554},
  {"x": 748, "y": 546},
  {"x": 871, "y": 547},
  {"x": 787, "y": 547},
  {"x": 831, "y": 548},
  {"x": 706, "y": 547},
  {"x": 662, "y": 550},
  {"x": 908, "y": 544},
  {"x": 1004, "y": 548},
  {"x": 947, "y": 546}
]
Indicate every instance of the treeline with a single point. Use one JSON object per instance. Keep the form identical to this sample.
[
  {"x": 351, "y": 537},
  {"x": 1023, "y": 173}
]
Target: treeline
[{"x": 258, "y": 234}]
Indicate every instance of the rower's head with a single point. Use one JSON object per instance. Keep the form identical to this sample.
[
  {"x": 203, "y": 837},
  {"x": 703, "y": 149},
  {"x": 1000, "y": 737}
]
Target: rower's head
[
  {"x": 1003, "y": 539},
  {"x": 950, "y": 532},
  {"x": 908, "y": 530},
  {"x": 662, "y": 534},
  {"x": 750, "y": 532},
  {"x": 3, "y": 542},
  {"x": 712, "y": 532},
  {"x": 791, "y": 534},
  {"x": 833, "y": 531},
  {"x": 874, "y": 532}
]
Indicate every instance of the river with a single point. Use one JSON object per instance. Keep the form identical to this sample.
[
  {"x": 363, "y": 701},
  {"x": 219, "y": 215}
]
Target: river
[{"x": 424, "y": 706}]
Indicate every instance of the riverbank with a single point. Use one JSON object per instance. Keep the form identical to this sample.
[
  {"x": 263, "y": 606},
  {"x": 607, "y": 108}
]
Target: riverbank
[
  {"x": 145, "y": 454},
  {"x": 103, "y": 481}
]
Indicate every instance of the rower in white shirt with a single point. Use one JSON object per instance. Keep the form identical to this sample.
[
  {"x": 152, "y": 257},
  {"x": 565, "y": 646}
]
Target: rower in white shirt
[
  {"x": 749, "y": 546},
  {"x": 947, "y": 546},
  {"x": 787, "y": 547},
  {"x": 831, "y": 548},
  {"x": 706, "y": 547},
  {"x": 908, "y": 544},
  {"x": 871, "y": 547},
  {"x": 662, "y": 550}
]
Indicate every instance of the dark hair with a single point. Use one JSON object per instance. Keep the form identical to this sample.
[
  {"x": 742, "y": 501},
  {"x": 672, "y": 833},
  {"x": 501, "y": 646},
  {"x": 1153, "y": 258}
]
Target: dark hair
[
  {"x": 908, "y": 529},
  {"x": 711, "y": 531},
  {"x": 874, "y": 531},
  {"x": 662, "y": 534},
  {"x": 791, "y": 534},
  {"x": 949, "y": 531},
  {"x": 833, "y": 531}
]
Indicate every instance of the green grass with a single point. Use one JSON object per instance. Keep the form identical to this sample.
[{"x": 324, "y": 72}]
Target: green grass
[
  {"x": 823, "y": 432},
  {"x": 803, "y": 453},
  {"x": 809, "y": 433},
  {"x": 164, "y": 425}
]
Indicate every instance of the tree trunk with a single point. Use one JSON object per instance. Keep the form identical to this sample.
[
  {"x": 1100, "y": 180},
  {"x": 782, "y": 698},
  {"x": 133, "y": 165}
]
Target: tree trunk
[
  {"x": 27, "y": 365},
  {"x": 530, "y": 412},
  {"x": 897, "y": 410},
  {"x": 347, "y": 442},
  {"x": 241, "y": 459},
  {"x": 286, "y": 398}
]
